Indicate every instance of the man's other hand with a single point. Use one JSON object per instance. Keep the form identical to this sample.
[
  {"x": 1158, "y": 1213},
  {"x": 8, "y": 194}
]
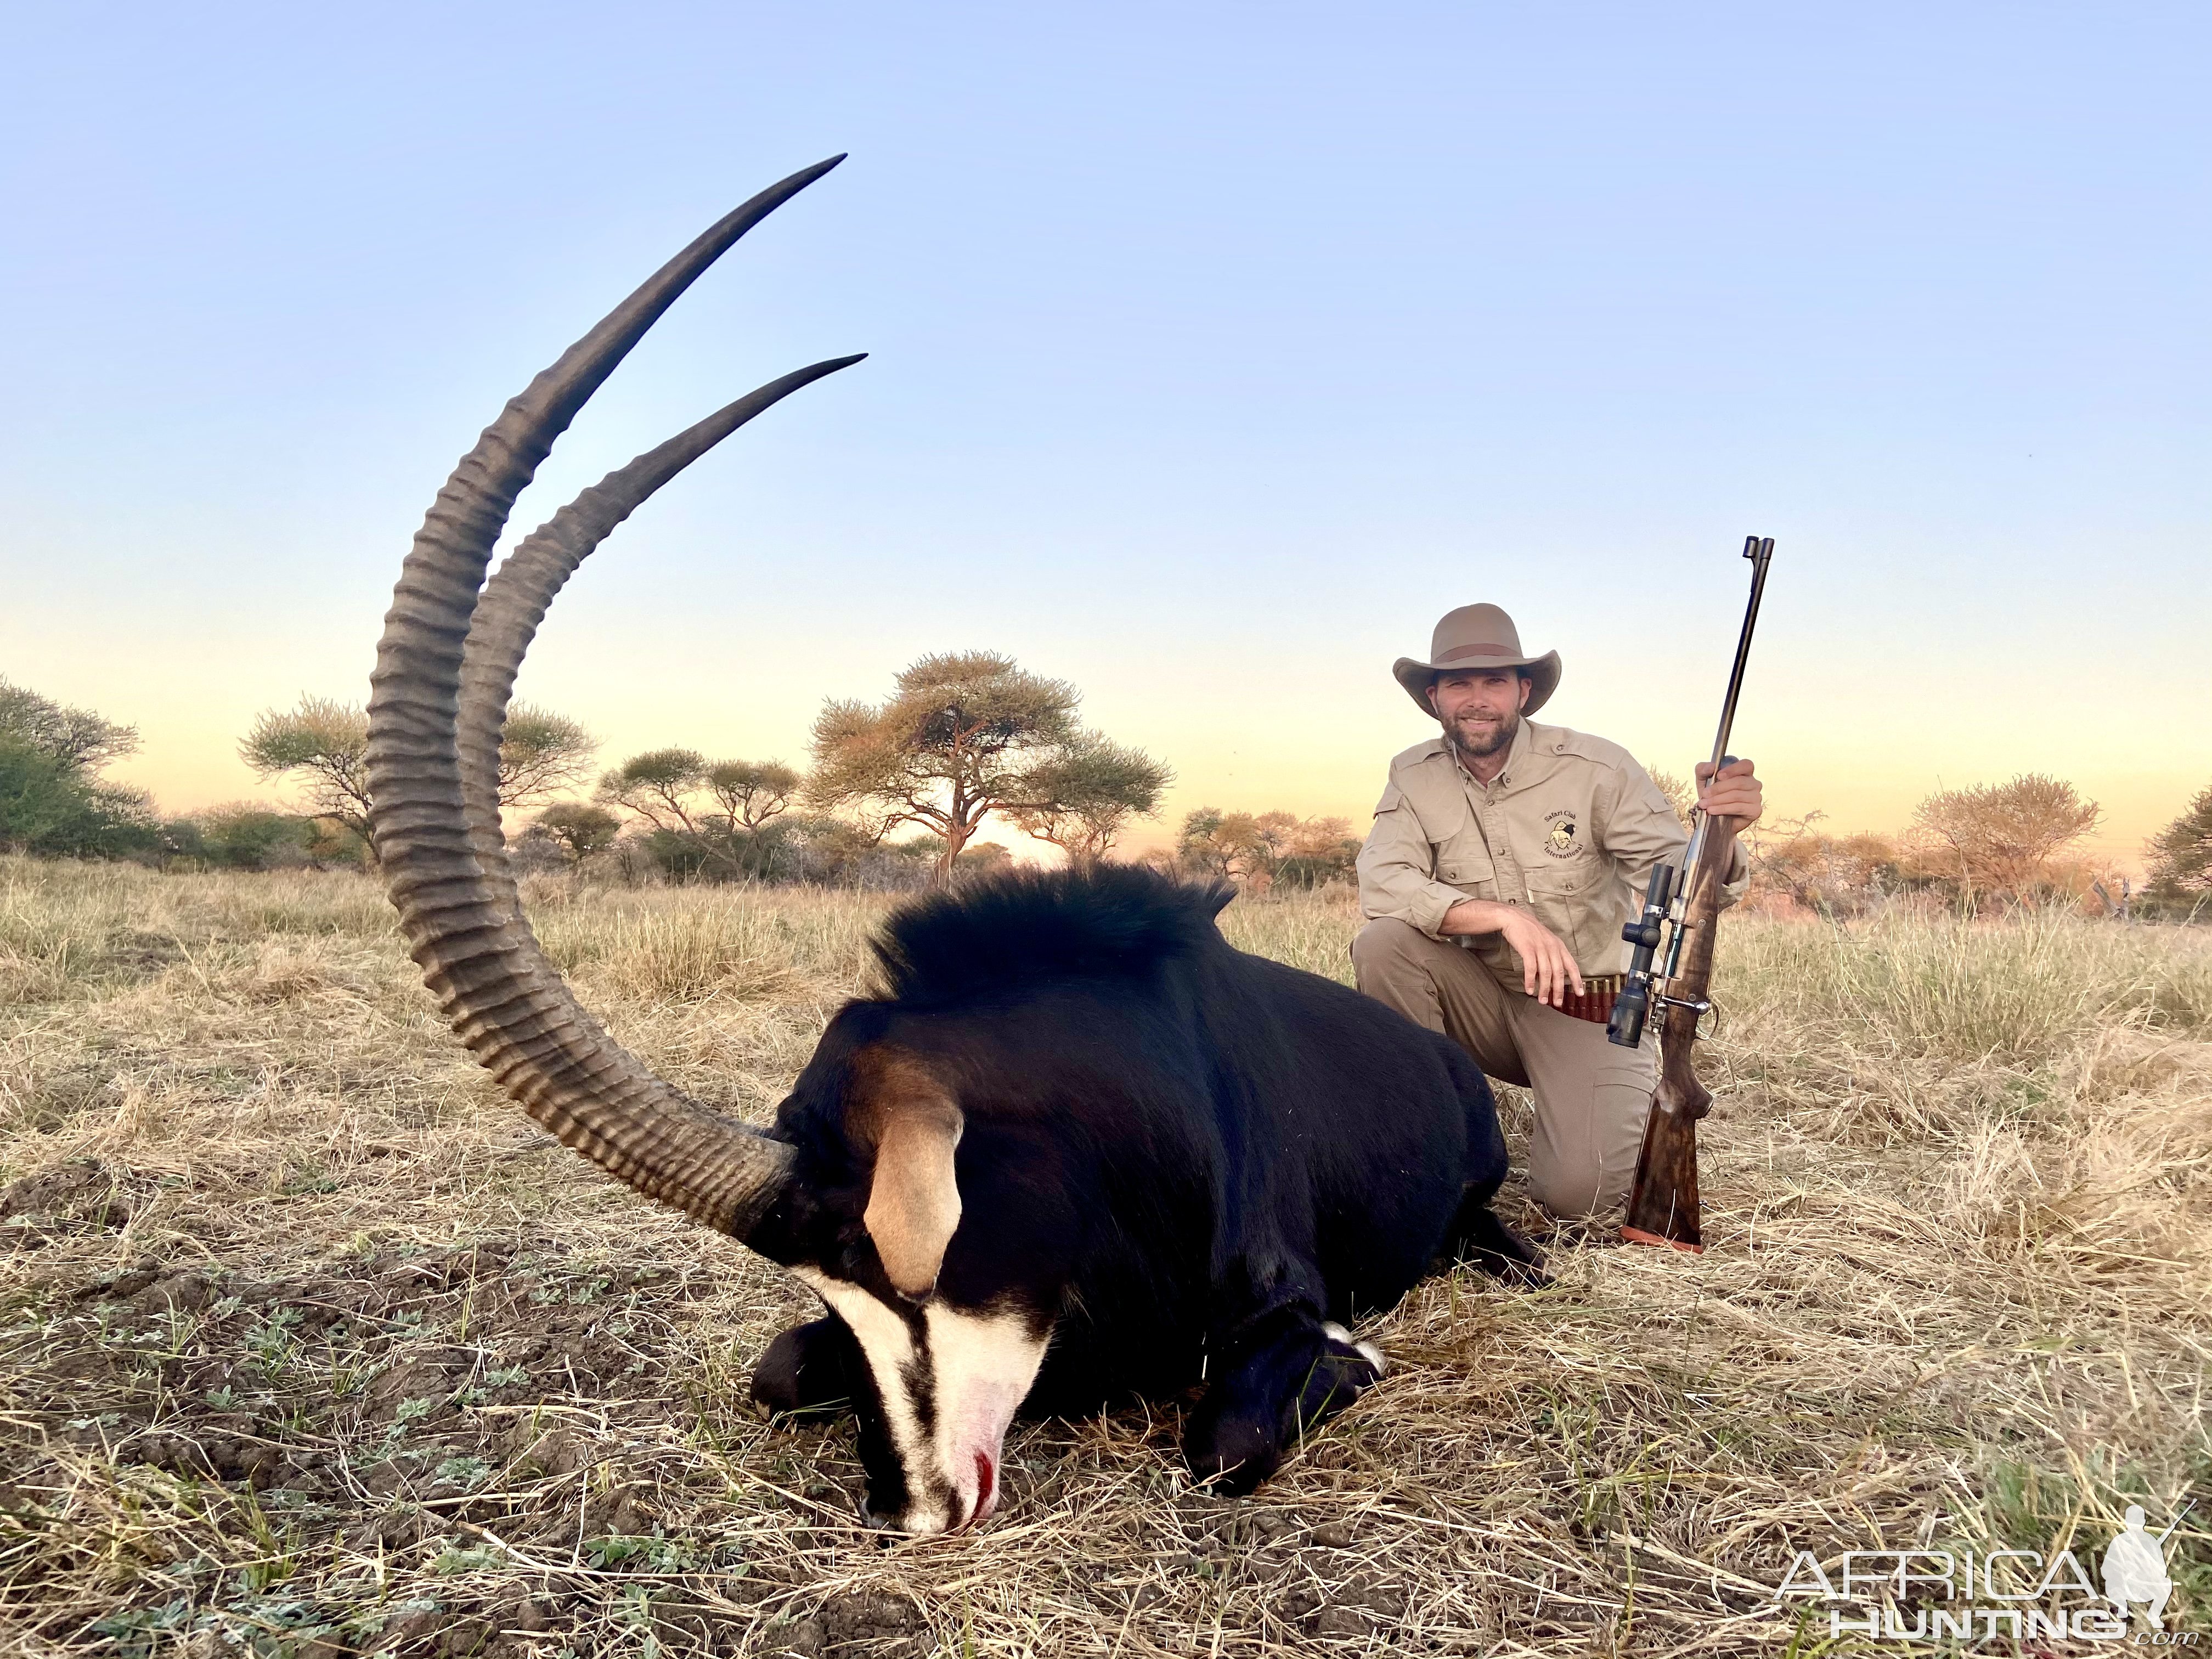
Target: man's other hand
[
  {"x": 1547, "y": 967},
  {"x": 1736, "y": 794}
]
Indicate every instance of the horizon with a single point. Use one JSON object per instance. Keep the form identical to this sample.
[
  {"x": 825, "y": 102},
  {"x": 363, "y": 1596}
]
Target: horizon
[{"x": 1209, "y": 364}]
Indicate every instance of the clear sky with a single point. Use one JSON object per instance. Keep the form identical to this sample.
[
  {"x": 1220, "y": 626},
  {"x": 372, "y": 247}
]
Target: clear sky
[{"x": 1218, "y": 350}]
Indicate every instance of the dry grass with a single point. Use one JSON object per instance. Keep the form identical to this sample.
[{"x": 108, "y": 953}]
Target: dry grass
[{"x": 310, "y": 1343}]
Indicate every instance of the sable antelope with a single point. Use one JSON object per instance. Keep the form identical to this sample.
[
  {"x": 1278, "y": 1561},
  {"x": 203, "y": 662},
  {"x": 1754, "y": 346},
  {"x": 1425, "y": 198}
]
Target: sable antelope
[{"x": 1079, "y": 1147}]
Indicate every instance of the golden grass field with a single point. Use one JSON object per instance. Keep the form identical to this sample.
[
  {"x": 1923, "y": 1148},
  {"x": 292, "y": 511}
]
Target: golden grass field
[{"x": 311, "y": 1344}]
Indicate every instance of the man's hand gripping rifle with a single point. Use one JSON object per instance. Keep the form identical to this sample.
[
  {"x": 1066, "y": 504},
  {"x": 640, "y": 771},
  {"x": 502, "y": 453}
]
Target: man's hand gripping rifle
[{"x": 1663, "y": 1205}]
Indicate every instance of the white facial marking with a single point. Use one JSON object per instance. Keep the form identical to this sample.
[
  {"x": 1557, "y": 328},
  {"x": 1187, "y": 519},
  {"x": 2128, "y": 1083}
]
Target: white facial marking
[
  {"x": 985, "y": 1364},
  {"x": 888, "y": 1347},
  {"x": 1367, "y": 1350},
  {"x": 982, "y": 1366}
]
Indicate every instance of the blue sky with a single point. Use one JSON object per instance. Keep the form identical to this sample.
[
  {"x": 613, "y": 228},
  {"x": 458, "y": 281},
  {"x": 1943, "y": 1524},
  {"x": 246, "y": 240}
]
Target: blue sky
[{"x": 1216, "y": 351}]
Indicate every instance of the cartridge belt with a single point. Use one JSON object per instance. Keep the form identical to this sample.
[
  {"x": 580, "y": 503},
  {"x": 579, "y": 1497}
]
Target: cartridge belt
[{"x": 1595, "y": 1003}]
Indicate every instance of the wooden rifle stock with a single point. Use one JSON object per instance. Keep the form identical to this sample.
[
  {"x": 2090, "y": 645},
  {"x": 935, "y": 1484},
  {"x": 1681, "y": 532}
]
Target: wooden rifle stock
[{"x": 1662, "y": 1204}]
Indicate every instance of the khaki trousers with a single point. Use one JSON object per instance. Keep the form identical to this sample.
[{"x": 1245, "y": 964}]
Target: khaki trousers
[{"x": 1591, "y": 1095}]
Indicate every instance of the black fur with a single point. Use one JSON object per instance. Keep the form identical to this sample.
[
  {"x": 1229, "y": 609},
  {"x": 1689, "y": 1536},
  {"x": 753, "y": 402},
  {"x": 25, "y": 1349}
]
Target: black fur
[
  {"x": 1011, "y": 931},
  {"x": 1183, "y": 1157},
  {"x": 811, "y": 1368}
]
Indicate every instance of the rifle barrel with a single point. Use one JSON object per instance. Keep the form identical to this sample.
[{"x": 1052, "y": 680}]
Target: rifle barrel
[{"x": 1759, "y": 550}]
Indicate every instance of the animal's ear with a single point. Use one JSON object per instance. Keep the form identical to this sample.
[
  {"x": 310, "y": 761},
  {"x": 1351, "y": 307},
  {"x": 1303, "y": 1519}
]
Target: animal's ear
[{"x": 913, "y": 1202}]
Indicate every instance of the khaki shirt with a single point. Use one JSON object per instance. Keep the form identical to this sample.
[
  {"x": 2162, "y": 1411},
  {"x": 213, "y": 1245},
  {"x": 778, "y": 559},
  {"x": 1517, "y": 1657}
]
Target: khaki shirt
[{"x": 1571, "y": 827}]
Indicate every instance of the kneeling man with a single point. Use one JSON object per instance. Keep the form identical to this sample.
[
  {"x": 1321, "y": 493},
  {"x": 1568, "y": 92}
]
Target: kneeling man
[{"x": 1505, "y": 858}]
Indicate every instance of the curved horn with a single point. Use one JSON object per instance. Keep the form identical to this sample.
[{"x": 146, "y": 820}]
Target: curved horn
[
  {"x": 515, "y": 599},
  {"x": 513, "y": 603},
  {"x": 458, "y": 912}
]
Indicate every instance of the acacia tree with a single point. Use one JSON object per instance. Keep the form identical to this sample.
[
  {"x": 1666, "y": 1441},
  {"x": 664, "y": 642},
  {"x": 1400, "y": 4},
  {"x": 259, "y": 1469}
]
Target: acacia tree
[
  {"x": 1081, "y": 799},
  {"x": 962, "y": 735},
  {"x": 1834, "y": 876},
  {"x": 2001, "y": 837},
  {"x": 578, "y": 828},
  {"x": 74, "y": 737},
  {"x": 1218, "y": 843},
  {"x": 541, "y": 754},
  {"x": 716, "y": 809},
  {"x": 2181, "y": 854},
  {"x": 1317, "y": 850},
  {"x": 751, "y": 792},
  {"x": 53, "y": 799},
  {"x": 1249, "y": 847},
  {"x": 324, "y": 743}
]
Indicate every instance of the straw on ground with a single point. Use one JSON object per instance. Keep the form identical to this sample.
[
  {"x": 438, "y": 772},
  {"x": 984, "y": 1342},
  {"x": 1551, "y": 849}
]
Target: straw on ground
[{"x": 312, "y": 1344}]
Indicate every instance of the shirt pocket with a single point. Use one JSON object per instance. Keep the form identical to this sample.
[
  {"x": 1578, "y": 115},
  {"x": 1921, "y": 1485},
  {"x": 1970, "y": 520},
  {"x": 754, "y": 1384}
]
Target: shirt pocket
[
  {"x": 1469, "y": 869},
  {"x": 1562, "y": 897}
]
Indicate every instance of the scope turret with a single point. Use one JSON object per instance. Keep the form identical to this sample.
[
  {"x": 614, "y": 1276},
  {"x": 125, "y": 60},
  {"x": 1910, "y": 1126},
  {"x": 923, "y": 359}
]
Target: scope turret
[{"x": 1633, "y": 1005}]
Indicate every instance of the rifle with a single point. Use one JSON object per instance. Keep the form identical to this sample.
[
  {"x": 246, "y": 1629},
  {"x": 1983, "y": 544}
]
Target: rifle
[
  {"x": 2176, "y": 1521},
  {"x": 1662, "y": 1204}
]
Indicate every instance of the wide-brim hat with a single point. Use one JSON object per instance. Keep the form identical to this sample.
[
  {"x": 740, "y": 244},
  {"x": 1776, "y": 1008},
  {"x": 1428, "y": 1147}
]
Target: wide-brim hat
[{"x": 1477, "y": 637}]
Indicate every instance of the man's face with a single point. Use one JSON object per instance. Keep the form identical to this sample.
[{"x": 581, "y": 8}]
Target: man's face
[{"x": 1479, "y": 708}]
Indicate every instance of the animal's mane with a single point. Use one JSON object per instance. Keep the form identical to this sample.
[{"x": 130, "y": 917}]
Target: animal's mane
[{"x": 1012, "y": 930}]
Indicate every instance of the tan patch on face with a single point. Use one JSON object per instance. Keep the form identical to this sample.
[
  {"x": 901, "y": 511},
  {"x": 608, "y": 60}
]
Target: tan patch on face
[{"x": 914, "y": 1200}]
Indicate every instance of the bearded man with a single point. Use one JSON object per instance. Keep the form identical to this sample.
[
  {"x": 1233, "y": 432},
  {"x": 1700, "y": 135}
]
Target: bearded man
[{"x": 1504, "y": 858}]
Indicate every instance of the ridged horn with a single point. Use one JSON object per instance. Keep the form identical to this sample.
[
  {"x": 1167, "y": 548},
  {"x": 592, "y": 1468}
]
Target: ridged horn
[
  {"x": 513, "y": 604},
  {"x": 457, "y": 904},
  {"x": 515, "y": 601}
]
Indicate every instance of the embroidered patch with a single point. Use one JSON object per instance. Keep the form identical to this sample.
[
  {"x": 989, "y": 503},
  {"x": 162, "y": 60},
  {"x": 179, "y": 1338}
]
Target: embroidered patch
[{"x": 1560, "y": 843}]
